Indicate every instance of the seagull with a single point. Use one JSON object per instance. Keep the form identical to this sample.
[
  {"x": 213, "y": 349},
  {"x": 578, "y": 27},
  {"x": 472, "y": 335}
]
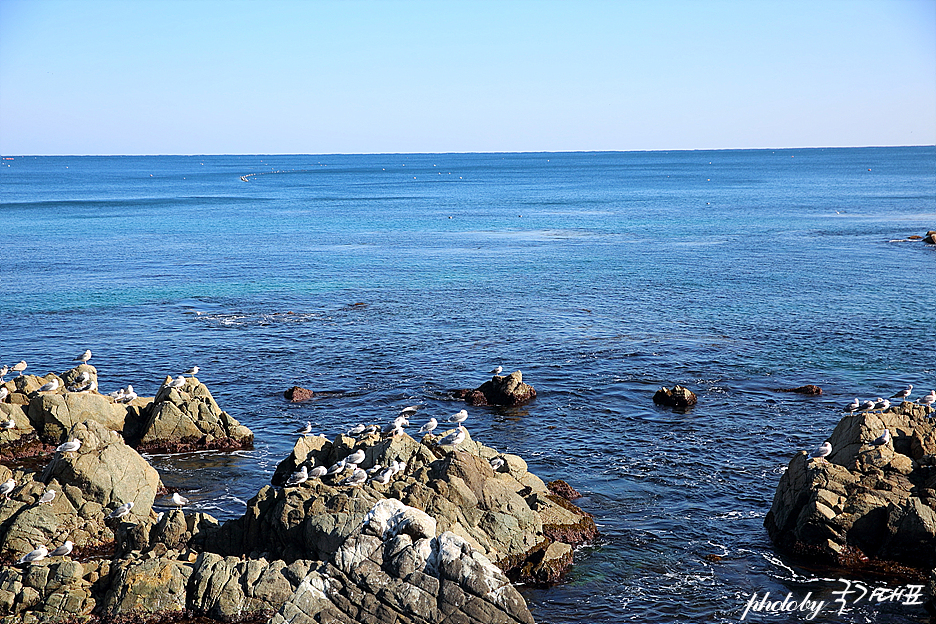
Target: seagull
[
  {"x": 853, "y": 406},
  {"x": 3, "y": 393},
  {"x": 62, "y": 550},
  {"x": 121, "y": 511},
  {"x": 304, "y": 431},
  {"x": 84, "y": 357},
  {"x": 178, "y": 500},
  {"x": 335, "y": 469},
  {"x": 498, "y": 370},
  {"x": 430, "y": 426},
  {"x": 19, "y": 367},
  {"x": 374, "y": 469},
  {"x": 356, "y": 457},
  {"x": 409, "y": 411},
  {"x": 192, "y": 371},
  {"x": 6, "y": 487},
  {"x": 882, "y": 405},
  {"x": 372, "y": 430},
  {"x": 458, "y": 417},
  {"x": 83, "y": 377},
  {"x": 8, "y": 424},
  {"x": 867, "y": 406},
  {"x": 822, "y": 450},
  {"x": 457, "y": 437},
  {"x": 496, "y": 463},
  {"x": 903, "y": 394},
  {"x": 318, "y": 471},
  {"x": 178, "y": 382},
  {"x": 882, "y": 439},
  {"x": 397, "y": 466},
  {"x": 46, "y": 497},
  {"x": 71, "y": 445},
  {"x": 384, "y": 476},
  {"x": 298, "y": 477},
  {"x": 116, "y": 394},
  {"x": 52, "y": 386},
  {"x": 356, "y": 430},
  {"x": 927, "y": 399},
  {"x": 356, "y": 478},
  {"x": 127, "y": 396},
  {"x": 37, "y": 555},
  {"x": 3, "y": 371}
]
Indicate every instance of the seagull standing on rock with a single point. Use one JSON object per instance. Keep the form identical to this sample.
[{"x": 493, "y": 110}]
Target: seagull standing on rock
[
  {"x": 304, "y": 431},
  {"x": 121, "y": 511},
  {"x": 64, "y": 549},
  {"x": 430, "y": 426},
  {"x": 7, "y": 424},
  {"x": 3, "y": 371},
  {"x": 853, "y": 406},
  {"x": 192, "y": 371},
  {"x": 19, "y": 367},
  {"x": 317, "y": 472},
  {"x": 928, "y": 399},
  {"x": 822, "y": 451},
  {"x": 47, "y": 497},
  {"x": 178, "y": 500},
  {"x": 357, "y": 477},
  {"x": 882, "y": 439},
  {"x": 459, "y": 417},
  {"x": 3, "y": 394},
  {"x": 67, "y": 447},
  {"x": 84, "y": 357},
  {"x": 37, "y": 555},
  {"x": 298, "y": 478},
  {"x": 6, "y": 487},
  {"x": 498, "y": 370},
  {"x": 52, "y": 386},
  {"x": 456, "y": 437}
]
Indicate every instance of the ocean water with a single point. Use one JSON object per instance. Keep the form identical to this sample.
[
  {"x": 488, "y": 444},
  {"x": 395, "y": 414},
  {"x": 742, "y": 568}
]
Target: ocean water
[{"x": 390, "y": 279}]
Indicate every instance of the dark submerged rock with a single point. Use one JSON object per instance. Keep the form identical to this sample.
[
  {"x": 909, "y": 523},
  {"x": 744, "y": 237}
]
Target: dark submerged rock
[
  {"x": 808, "y": 390},
  {"x": 678, "y": 397},
  {"x": 506, "y": 390}
]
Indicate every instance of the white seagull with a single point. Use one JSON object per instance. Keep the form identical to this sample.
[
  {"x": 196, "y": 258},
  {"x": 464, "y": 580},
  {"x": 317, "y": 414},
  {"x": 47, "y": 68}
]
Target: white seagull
[
  {"x": 83, "y": 377},
  {"x": 121, "y": 511},
  {"x": 867, "y": 406},
  {"x": 192, "y": 371},
  {"x": 882, "y": 439},
  {"x": 297, "y": 478},
  {"x": 356, "y": 478},
  {"x": 356, "y": 430},
  {"x": 853, "y": 406},
  {"x": 3, "y": 393},
  {"x": 335, "y": 468},
  {"x": 496, "y": 463},
  {"x": 19, "y": 367},
  {"x": 822, "y": 450},
  {"x": 178, "y": 500},
  {"x": 458, "y": 417},
  {"x": 8, "y": 424},
  {"x": 52, "y": 386},
  {"x": 318, "y": 471},
  {"x": 356, "y": 457},
  {"x": 178, "y": 382},
  {"x": 71, "y": 445},
  {"x": 927, "y": 399},
  {"x": 62, "y": 550},
  {"x": 47, "y": 497},
  {"x": 409, "y": 411},
  {"x": 37, "y": 555},
  {"x": 384, "y": 476},
  {"x": 498, "y": 370},
  {"x": 457, "y": 437},
  {"x": 430, "y": 426},
  {"x": 6, "y": 487},
  {"x": 3, "y": 371},
  {"x": 304, "y": 431},
  {"x": 903, "y": 394},
  {"x": 84, "y": 357}
]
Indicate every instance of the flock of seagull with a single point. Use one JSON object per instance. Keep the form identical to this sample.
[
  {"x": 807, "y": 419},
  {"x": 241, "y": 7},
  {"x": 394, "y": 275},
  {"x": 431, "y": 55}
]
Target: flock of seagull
[
  {"x": 338, "y": 471},
  {"x": 882, "y": 404},
  {"x": 82, "y": 383}
]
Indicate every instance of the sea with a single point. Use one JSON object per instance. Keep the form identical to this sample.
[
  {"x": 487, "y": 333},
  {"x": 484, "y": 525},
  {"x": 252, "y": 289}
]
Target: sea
[{"x": 383, "y": 281}]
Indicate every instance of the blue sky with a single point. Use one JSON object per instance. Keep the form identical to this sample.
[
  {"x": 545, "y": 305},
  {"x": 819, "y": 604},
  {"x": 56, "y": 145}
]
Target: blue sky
[{"x": 210, "y": 77}]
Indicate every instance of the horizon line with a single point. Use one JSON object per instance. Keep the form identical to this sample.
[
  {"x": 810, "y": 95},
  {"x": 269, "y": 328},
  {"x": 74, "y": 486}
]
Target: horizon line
[{"x": 701, "y": 149}]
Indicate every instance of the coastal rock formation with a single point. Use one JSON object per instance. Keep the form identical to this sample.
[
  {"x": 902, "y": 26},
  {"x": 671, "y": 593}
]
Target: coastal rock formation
[
  {"x": 808, "y": 390},
  {"x": 507, "y": 390},
  {"x": 86, "y": 487},
  {"x": 188, "y": 418},
  {"x": 509, "y": 515},
  {"x": 678, "y": 397},
  {"x": 865, "y": 502},
  {"x": 409, "y": 574}
]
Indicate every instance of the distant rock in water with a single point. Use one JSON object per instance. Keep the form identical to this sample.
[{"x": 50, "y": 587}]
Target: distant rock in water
[
  {"x": 808, "y": 390},
  {"x": 507, "y": 390},
  {"x": 678, "y": 397},
  {"x": 297, "y": 394},
  {"x": 865, "y": 504}
]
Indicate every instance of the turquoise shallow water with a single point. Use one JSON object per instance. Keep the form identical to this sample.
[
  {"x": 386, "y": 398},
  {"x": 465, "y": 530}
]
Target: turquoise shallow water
[{"x": 601, "y": 276}]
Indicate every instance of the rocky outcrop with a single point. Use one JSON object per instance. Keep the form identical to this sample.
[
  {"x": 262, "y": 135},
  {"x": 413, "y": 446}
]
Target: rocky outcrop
[
  {"x": 507, "y": 390},
  {"x": 188, "y": 418},
  {"x": 509, "y": 514},
  {"x": 408, "y": 574},
  {"x": 678, "y": 397},
  {"x": 865, "y": 502},
  {"x": 808, "y": 390},
  {"x": 87, "y": 486}
]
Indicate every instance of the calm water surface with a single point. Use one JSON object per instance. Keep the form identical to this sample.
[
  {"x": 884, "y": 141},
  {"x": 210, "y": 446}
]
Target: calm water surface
[{"x": 601, "y": 276}]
